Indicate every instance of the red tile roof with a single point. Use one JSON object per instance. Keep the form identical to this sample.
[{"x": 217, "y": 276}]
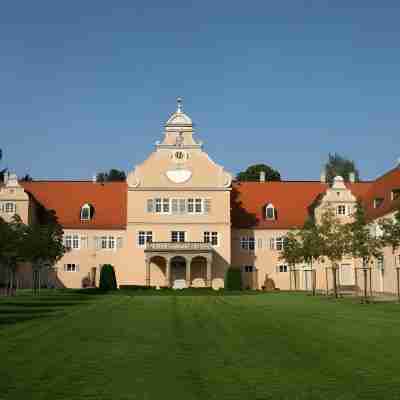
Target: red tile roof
[
  {"x": 66, "y": 199},
  {"x": 382, "y": 188},
  {"x": 293, "y": 202}
]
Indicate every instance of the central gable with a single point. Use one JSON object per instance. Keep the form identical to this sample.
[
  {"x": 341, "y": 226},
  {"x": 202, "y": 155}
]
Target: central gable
[{"x": 179, "y": 161}]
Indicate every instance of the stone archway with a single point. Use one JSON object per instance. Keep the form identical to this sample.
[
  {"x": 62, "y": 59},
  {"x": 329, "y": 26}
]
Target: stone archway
[
  {"x": 198, "y": 269},
  {"x": 178, "y": 265},
  {"x": 158, "y": 270}
]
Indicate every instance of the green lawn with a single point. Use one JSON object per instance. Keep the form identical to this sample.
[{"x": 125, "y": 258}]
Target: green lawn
[{"x": 269, "y": 346}]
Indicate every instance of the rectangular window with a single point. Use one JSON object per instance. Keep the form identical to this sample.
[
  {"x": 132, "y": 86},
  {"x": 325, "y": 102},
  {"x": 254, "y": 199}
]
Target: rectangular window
[
  {"x": 144, "y": 237},
  {"x": 10, "y": 207},
  {"x": 279, "y": 243},
  {"x": 381, "y": 262},
  {"x": 111, "y": 242},
  {"x": 103, "y": 242},
  {"x": 178, "y": 236},
  {"x": 249, "y": 268},
  {"x": 212, "y": 238},
  {"x": 282, "y": 268},
  {"x": 158, "y": 205},
  {"x": 75, "y": 242},
  {"x": 68, "y": 241},
  {"x": 198, "y": 206},
  {"x": 166, "y": 206},
  {"x": 247, "y": 243},
  {"x": 190, "y": 205},
  {"x": 71, "y": 267},
  {"x": 341, "y": 210}
]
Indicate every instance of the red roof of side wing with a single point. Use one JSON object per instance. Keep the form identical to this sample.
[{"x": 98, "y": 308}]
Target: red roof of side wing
[
  {"x": 66, "y": 199},
  {"x": 293, "y": 202}
]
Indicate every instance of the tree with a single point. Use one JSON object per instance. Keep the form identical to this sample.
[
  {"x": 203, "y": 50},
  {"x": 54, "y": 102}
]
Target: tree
[
  {"x": 362, "y": 243},
  {"x": 114, "y": 175},
  {"x": 391, "y": 231},
  {"x": 334, "y": 243},
  {"x": 26, "y": 178},
  {"x": 252, "y": 173},
  {"x": 292, "y": 252},
  {"x": 43, "y": 246},
  {"x": 339, "y": 165},
  {"x": 3, "y": 171},
  {"x": 13, "y": 236},
  {"x": 233, "y": 279},
  {"x": 108, "y": 280}
]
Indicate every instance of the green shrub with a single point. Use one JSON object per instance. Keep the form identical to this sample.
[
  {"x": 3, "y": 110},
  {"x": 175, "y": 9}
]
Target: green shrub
[
  {"x": 107, "y": 278},
  {"x": 233, "y": 279}
]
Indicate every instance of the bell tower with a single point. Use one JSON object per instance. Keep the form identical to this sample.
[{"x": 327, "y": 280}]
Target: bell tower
[{"x": 179, "y": 131}]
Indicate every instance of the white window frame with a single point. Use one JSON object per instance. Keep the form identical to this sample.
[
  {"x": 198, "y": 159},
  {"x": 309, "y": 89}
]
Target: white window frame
[
  {"x": 279, "y": 243},
  {"x": 86, "y": 208},
  {"x": 190, "y": 205},
  {"x": 340, "y": 208},
  {"x": 71, "y": 267},
  {"x": 282, "y": 268},
  {"x": 176, "y": 236},
  {"x": 212, "y": 237},
  {"x": 144, "y": 237},
  {"x": 395, "y": 194},
  {"x": 249, "y": 268},
  {"x": 247, "y": 243},
  {"x": 270, "y": 206},
  {"x": 10, "y": 207},
  {"x": 158, "y": 205}
]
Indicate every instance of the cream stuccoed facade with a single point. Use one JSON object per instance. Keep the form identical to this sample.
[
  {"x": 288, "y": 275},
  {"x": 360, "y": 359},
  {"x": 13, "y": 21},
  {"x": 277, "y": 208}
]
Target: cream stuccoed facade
[{"x": 180, "y": 221}]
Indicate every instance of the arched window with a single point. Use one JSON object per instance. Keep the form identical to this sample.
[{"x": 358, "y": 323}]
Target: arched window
[
  {"x": 87, "y": 212},
  {"x": 270, "y": 212}
]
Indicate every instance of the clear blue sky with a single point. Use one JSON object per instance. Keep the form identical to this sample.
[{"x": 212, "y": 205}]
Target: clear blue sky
[{"x": 87, "y": 85}]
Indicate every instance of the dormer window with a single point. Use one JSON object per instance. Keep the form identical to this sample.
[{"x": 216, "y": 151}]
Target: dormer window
[
  {"x": 87, "y": 212},
  {"x": 270, "y": 212},
  {"x": 378, "y": 202},
  {"x": 395, "y": 195}
]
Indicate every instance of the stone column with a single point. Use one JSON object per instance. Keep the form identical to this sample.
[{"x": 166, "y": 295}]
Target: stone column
[
  {"x": 208, "y": 276},
  {"x": 188, "y": 267},
  {"x": 168, "y": 272},
  {"x": 147, "y": 261}
]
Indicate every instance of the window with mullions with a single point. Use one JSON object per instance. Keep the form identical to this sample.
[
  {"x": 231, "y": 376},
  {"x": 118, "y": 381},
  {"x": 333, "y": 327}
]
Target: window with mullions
[
  {"x": 144, "y": 237},
  {"x": 247, "y": 243},
  {"x": 212, "y": 238},
  {"x": 178, "y": 236}
]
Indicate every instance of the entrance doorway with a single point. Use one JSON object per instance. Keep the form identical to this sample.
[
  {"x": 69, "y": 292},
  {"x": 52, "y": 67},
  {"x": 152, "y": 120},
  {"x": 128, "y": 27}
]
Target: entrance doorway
[{"x": 178, "y": 272}]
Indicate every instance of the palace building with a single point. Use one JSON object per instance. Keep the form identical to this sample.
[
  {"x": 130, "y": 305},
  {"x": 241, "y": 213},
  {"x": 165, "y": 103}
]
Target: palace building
[{"x": 180, "y": 220}]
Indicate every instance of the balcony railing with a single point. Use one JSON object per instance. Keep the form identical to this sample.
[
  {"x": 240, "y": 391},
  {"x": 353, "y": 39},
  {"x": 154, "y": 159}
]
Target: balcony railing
[{"x": 178, "y": 246}]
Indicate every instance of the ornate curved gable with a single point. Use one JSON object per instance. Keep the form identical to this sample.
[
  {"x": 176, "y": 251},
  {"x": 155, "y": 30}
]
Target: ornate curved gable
[{"x": 179, "y": 161}]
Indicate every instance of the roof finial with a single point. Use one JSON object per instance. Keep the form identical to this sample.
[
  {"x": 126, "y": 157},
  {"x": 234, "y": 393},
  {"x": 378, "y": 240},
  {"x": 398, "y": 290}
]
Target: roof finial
[{"x": 179, "y": 101}]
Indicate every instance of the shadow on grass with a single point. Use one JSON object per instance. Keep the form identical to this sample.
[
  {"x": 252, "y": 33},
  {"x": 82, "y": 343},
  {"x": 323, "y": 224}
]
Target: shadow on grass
[{"x": 23, "y": 308}]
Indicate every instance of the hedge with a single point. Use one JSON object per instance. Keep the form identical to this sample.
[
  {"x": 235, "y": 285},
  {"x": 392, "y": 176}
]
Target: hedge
[
  {"x": 108, "y": 280},
  {"x": 233, "y": 279}
]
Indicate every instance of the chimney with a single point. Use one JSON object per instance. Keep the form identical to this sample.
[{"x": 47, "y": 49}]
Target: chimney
[
  {"x": 398, "y": 163},
  {"x": 352, "y": 177},
  {"x": 323, "y": 177},
  {"x": 6, "y": 177},
  {"x": 94, "y": 178},
  {"x": 262, "y": 176}
]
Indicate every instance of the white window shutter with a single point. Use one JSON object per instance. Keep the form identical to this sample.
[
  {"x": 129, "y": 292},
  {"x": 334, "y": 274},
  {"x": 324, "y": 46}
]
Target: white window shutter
[
  {"x": 272, "y": 243},
  {"x": 119, "y": 242},
  {"x": 150, "y": 205},
  {"x": 182, "y": 206},
  {"x": 207, "y": 206},
  {"x": 65, "y": 267},
  {"x": 77, "y": 267},
  {"x": 97, "y": 242},
  {"x": 174, "y": 206}
]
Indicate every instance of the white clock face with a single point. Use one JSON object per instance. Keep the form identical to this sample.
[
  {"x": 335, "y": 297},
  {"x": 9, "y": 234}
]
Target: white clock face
[{"x": 179, "y": 175}]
